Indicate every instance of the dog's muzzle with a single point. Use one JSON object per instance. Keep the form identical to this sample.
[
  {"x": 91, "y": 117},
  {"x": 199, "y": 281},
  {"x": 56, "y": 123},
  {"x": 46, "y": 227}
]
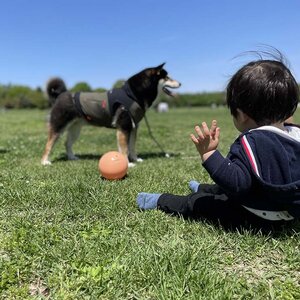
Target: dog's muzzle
[{"x": 170, "y": 83}]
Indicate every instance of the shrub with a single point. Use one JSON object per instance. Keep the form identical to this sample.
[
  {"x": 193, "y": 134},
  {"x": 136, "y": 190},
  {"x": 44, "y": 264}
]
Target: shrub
[
  {"x": 199, "y": 99},
  {"x": 18, "y": 96}
]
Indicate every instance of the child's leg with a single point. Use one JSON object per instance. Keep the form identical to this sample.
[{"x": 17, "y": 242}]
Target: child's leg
[
  {"x": 194, "y": 186},
  {"x": 147, "y": 200},
  {"x": 209, "y": 202},
  {"x": 177, "y": 204}
]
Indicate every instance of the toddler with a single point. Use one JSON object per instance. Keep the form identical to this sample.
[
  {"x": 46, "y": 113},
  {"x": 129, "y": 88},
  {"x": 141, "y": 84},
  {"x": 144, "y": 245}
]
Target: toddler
[{"x": 259, "y": 180}]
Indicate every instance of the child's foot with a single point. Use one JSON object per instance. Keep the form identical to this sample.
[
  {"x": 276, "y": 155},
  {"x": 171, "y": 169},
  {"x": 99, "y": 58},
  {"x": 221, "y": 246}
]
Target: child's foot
[
  {"x": 194, "y": 185},
  {"x": 147, "y": 200}
]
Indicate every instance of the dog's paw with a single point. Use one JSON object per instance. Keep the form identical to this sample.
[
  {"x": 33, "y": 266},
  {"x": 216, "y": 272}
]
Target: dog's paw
[
  {"x": 131, "y": 164},
  {"x": 139, "y": 159},
  {"x": 46, "y": 162}
]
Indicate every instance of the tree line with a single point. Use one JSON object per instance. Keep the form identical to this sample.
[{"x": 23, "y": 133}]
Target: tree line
[{"x": 18, "y": 96}]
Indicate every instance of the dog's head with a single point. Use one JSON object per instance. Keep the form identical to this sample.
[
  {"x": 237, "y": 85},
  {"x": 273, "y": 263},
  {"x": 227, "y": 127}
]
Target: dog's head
[
  {"x": 146, "y": 83},
  {"x": 165, "y": 82}
]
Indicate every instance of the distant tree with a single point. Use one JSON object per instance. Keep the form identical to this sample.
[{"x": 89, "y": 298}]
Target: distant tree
[
  {"x": 195, "y": 99},
  {"x": 81, "y": 87},
  {"x": 119, "y": 83},
  {"x": 18, "y": 96},
  {"x": 100, "y": 90}
]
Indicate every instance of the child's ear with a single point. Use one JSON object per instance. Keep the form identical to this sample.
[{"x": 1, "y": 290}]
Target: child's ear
[{"x": 243, "y": 117}]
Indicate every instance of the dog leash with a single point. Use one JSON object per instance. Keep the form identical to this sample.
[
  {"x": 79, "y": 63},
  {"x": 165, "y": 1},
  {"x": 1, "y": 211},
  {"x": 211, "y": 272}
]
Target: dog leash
[{"x": 154, "y": 139}]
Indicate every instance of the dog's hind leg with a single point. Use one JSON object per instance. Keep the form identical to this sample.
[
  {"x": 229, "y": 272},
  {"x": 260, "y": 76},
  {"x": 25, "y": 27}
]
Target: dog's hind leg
[
  {"x": 52, "y": 138},
  {"x": 72, "y": 136},
  {"x": 62, "y": 114}
]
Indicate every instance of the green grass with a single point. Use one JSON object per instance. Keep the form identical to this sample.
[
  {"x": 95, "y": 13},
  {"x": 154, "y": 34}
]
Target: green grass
[{"x": 65, "y": 233}]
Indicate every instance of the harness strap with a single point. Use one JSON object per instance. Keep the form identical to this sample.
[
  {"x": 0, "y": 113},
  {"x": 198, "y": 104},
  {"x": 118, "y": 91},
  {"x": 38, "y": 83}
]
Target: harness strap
[{"x": 76, "y": 100}]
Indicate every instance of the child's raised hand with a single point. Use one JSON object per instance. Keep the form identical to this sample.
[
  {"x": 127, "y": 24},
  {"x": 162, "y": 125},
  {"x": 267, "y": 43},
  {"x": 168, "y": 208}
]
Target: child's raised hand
[{"x": 206, "y": 140}]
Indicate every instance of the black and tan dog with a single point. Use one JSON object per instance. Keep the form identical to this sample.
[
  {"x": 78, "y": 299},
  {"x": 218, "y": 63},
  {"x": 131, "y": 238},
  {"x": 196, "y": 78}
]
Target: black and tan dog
[{"x": 121, "y": 108}]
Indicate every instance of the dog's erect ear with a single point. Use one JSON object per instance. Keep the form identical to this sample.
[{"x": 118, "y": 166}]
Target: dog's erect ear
[{"x": 159, "y": 68}]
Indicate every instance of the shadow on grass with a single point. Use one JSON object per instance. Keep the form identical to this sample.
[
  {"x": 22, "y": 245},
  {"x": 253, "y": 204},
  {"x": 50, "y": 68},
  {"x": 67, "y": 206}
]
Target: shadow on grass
[
  {"x": 157, "y": 155},
  {"x": 280, "y": 230},
  {"x": 64, "y": 157},
  {"x": 276, "y": 231},
  {"x": 3, "y": 151},
  {"x": 144, "y": 156}
]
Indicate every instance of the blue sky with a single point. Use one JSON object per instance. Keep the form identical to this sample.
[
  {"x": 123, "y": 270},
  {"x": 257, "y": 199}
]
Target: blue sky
[{"x": 102, "y": 41}]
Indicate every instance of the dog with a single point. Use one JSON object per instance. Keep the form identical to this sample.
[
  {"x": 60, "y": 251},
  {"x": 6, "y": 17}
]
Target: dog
[{"x": 120, "y": 108}]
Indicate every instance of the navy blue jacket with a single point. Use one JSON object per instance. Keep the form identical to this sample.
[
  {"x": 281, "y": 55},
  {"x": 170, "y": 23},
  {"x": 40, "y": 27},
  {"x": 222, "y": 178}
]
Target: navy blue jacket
[{"x": 261, "y": 170}]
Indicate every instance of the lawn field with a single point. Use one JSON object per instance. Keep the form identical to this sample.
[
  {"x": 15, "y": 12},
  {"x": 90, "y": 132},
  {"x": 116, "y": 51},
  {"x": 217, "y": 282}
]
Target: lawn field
[{"x": 65, "y": 233}]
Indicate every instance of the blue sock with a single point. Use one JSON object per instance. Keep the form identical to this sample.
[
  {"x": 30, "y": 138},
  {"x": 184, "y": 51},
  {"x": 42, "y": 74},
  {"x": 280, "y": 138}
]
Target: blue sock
[
  {"x": 147, "y": 200},
  {"x": 194, "y": 185}
]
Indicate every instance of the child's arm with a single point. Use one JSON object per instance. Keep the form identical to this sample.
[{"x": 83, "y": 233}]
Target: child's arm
[
  {"x": 207, "y": 140},
  {"x": 232, "y": 176}
]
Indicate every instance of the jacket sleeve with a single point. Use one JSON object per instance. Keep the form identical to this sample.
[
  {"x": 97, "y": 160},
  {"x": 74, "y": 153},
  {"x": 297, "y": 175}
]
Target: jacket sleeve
[{"x": 232, "y": 173}]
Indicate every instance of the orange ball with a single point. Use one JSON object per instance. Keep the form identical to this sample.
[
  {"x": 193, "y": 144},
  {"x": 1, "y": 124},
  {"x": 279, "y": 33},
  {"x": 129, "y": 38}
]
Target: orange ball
[{"x": 113, "y": 165}]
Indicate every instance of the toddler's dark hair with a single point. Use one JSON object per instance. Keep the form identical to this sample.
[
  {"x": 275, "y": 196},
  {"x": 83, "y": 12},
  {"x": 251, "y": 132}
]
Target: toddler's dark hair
[{"x": 265, "y": 90}]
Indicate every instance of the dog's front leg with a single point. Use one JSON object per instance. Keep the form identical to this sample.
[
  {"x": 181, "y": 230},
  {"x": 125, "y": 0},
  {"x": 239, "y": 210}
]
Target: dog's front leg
[
  {"x": 131, "y": 145},
  {"x": 122, "y": 138}
]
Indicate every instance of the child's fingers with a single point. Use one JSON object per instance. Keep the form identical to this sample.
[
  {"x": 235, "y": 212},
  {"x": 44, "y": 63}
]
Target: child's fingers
[
  {"x": 217, "y": 134},
  {"x": 205, "y": 129},
  {"x": 194, "y": 139},
  {"x": 213, "y": 127},
  {"x": 199, "y": 132}
]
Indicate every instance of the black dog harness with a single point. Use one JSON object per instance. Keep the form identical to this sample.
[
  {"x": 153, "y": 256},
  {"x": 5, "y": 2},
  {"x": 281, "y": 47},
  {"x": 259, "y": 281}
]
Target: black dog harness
[{"x": 100, "y": 108}]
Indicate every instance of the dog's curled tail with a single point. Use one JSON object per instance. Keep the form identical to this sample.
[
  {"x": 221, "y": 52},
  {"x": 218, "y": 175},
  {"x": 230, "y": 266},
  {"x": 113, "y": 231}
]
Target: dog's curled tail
[{"x": 54, "y": 88}]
